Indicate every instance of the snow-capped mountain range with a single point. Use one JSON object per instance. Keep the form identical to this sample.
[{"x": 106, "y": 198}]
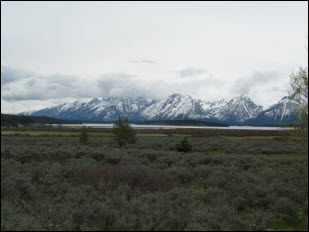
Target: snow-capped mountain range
[
  {"x": 239, "y": 110},
  {"x": 281, "y": 112}
]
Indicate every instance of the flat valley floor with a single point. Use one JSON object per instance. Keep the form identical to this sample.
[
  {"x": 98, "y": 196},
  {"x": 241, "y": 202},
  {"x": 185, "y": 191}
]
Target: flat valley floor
[{"x": 255, "y": 181}]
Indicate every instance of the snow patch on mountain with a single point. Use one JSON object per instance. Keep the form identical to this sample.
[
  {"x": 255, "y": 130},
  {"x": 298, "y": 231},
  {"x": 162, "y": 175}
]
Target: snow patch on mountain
[
  {"x": 238, "y": 110},
  {"x": 176, "y": 106}
]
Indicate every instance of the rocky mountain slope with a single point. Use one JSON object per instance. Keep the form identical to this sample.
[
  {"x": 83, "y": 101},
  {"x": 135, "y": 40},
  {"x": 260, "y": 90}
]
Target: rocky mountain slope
[
  {"x": 237, "y": 111},
  {"x": 279, "y": 113}
]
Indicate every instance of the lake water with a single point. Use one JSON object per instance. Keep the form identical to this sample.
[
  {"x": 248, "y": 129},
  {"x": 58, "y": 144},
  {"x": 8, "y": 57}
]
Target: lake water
[{"x": 100, "y": 125}]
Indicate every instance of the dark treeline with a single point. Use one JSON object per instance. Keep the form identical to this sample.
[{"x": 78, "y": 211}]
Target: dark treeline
[{"x": 14, "y": 120}]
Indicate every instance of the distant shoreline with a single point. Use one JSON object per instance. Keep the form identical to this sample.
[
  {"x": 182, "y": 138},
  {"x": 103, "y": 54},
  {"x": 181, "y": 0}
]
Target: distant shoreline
[{"x": 164, "y": 127}]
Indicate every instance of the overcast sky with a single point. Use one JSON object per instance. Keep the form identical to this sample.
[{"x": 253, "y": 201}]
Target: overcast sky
[{"x": 55, "y": 52}]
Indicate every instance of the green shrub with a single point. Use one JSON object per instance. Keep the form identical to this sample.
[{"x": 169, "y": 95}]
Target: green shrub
[
  {"x": 184, "y": 145},
  {"x": 8, "y": 217},
  {"x": 113, "y": 158},
  {"x": 286, "y": 210},
  {"x": 83, "y": 137}
]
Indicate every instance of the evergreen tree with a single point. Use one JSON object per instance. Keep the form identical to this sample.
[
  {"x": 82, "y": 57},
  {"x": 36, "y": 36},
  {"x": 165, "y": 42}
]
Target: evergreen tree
[
  {"x": 83, "y": 137},
  {"x": 184, "y": 145},
  {"x": 123, "y": 133}
]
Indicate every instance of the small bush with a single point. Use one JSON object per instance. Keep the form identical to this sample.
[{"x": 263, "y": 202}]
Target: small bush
[
  {"x": 83, "y": 137},
  {"x": 286, "y": 210},
  {"x": 184, "y": 145}
]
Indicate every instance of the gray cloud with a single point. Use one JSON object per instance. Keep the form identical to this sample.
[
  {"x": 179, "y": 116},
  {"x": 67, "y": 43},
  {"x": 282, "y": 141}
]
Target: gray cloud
[
  {"x": 191, "y": 72},
  {"x": 9, "y": 75},
  {"x": 17, "y": 84},
  {"x": 114, "y": 84},
  {"x": 124, "y": 85},
  {"x": 59, "y": 86},
  {"x": 257, "y": 79},
  {"x": 133, "y": 61},
  {"x": 147, "y": 61},
  {"x": 275, "y": 89},
  {"x": 22, "y": 86}
]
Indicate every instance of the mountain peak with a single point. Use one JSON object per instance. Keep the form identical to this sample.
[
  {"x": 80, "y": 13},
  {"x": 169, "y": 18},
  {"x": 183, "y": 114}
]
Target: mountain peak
[
  {"x": 176, "y": 95},
  {"x": 95, "y": 101},
  {"x": 243, "y": 97},
  {"x": 279, "y": 113},
  {"x": 174, "y": 107},
  {"x": 239, "y": 109}
]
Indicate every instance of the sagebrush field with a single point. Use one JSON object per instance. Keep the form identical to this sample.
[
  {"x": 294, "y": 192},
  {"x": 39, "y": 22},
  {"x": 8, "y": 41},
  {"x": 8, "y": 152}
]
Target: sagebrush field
[{"x": 224, "y": 183}]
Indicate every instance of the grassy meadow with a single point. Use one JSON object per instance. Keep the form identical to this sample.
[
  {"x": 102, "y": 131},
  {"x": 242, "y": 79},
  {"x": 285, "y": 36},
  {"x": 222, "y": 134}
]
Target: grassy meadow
[{"x": 49, "y": 181}]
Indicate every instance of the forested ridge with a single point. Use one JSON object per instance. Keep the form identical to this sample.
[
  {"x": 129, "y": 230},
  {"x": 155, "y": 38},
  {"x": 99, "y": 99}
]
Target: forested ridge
[{"x": 14, "y": 120}]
